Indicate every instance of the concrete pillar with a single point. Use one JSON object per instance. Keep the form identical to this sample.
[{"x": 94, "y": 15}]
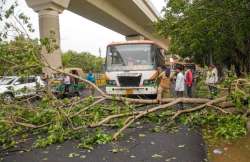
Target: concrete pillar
[
  {"x": 135, "y": 37},
  {"x": 49, "y": 26}
]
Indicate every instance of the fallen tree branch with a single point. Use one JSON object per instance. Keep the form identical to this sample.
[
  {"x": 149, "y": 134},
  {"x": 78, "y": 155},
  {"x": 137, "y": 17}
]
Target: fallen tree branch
[
  {"x": 28, "y": 125},
  {"x": 199, "y": 107},
  {"x": 17, "y": 107},
  {"x": 86, "y": 108},
  {"x": 107, "y": 119},
  {"x": 138, "y": 114},
  {"x": 218, "y": 108},
  {"x": 71, "y": 107},
  {"x": 226, "y": 104},
  {"x": 143, "y": 113},
  {"x": 154, "y": 101}
]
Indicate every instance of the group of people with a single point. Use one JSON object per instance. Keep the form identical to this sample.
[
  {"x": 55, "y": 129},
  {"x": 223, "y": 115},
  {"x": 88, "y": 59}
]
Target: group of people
[
  {"x": 179, "y": 79},
  {"x": 182, "y": 81}
]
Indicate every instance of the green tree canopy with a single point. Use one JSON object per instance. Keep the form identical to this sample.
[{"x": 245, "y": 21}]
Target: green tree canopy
[
  {"x": 19, "y": 54},
  {"x": 20, "y": 57},
  {"x": 200, "y": 28},
  {"x": 83, "y": 60}
]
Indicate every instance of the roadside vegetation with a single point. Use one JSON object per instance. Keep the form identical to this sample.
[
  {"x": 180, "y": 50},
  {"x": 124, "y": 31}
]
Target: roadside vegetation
[
  {"x": 209, "y": 30},
  {"x": 83, "y": 60}
]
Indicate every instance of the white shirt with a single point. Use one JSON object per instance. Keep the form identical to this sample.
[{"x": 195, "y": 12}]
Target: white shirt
[
  {"x": 212, "y": 76},
  {"x": 180, "y": 82},
  {"x": 66, "y": 80}
]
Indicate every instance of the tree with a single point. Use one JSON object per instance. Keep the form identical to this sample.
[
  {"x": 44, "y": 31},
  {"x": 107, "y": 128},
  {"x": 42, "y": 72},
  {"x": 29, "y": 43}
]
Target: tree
[
  {"x": 83, "y": 60},
  {"x": 19, "y": 54},
  {"x": 209, "y": 28},
  {"x": 13, "y": 23},
  {"x": 20, "y": 57}
]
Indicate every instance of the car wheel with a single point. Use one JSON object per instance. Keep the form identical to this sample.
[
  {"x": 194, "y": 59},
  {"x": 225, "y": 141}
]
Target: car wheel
[{"x": 8, "y": 98}]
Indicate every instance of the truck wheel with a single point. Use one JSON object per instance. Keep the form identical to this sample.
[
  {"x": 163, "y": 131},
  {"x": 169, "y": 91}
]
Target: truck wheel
[{"x": 8, "y": 97}]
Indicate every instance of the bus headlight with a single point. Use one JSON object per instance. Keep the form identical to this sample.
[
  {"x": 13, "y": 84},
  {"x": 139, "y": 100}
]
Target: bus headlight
[
  {"x": 149, "y": 82},
  {"x": 111, "y": 83}
]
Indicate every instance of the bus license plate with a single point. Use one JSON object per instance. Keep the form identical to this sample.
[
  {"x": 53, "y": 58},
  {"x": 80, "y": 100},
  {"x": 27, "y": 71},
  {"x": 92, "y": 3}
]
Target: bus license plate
[{"x": 129, "y": 91}]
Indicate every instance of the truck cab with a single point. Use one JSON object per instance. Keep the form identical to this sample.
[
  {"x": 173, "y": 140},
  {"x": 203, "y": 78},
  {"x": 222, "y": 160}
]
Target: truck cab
[{"x": 131, "y": 67}]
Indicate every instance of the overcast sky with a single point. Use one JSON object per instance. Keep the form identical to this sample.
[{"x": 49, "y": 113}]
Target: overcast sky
[{"x": 77, "y": 32}]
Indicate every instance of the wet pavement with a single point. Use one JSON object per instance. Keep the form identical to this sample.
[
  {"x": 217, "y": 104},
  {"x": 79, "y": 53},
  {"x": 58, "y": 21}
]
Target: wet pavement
[
  {"x": 138, "y": 145},
  {"x": 230, "y": 151}
]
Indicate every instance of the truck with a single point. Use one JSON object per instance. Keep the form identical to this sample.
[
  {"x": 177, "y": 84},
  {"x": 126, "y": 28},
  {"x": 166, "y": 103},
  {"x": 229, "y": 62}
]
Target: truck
[{"x": 131, "y": 67}]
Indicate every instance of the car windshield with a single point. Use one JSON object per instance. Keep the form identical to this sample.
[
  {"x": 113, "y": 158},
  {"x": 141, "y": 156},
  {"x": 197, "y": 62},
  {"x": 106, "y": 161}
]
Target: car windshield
[
  {"x": 130, "y": 57},
  {"x": 6, "y": 81}
]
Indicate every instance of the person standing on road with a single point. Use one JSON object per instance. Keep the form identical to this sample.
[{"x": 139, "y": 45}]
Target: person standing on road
[
  {"x": 180, "y": 85},
  {"x": 211, "y": 80},
  {"x": 45, "y": 78},
  {"x": 172, "y": 77},
  {"x": 66, "y": 82},
  {"x": 189, "y": 81},
  {"x": 164, "y": 86},
  {"x": 90, "y": 77}
]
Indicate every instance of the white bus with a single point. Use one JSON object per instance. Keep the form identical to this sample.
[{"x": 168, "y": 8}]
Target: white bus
[{"x": 131, "y": 67}]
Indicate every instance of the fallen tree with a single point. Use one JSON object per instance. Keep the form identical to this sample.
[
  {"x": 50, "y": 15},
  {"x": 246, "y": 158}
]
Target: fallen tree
[
  {"x": 62, "y": 119},
  {"x": 53, "y": 121}
]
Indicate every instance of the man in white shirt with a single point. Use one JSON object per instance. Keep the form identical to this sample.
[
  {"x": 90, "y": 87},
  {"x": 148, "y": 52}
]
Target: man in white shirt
[
  {"x": 180, "y": 84},
  {"x": 66, "y": 82},
  {"x": 212, "y": 80}
]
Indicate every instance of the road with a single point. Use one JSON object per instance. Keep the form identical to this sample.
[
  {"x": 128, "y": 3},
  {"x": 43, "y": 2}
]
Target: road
[{"x": 138, "y": 145}]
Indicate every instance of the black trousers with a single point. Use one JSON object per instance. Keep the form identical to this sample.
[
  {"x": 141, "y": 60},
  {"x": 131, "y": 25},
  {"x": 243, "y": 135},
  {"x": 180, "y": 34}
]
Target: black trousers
[
  {"x": 180, "y": 94},
  {"x": 213, "y": 90},
  {"x": 66, "y": 89},
  {"x": 189, "y": 91}
]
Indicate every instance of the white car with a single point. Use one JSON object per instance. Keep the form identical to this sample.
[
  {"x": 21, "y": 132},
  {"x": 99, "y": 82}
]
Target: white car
[{"x": 18, "y": 87}]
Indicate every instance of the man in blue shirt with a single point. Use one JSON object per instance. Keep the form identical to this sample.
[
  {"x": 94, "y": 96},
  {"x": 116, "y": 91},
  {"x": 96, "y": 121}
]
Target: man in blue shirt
[{"x": 90, "y": 77}]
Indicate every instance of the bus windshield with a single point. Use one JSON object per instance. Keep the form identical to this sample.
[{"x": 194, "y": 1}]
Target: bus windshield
[{"x": 130, "y": 57}]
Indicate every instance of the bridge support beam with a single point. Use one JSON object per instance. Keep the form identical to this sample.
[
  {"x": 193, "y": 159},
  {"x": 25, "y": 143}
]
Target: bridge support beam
[
  {"x": 135, "y": 37},
  {"x": 48, "y": 11}
]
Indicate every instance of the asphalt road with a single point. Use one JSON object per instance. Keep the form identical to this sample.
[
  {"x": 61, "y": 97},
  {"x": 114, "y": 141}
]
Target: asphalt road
[{"x": 138, "y": 145}]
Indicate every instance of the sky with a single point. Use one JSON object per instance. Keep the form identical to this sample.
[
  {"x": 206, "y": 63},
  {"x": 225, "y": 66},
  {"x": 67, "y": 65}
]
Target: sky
[{"x": 80, "y": 34}]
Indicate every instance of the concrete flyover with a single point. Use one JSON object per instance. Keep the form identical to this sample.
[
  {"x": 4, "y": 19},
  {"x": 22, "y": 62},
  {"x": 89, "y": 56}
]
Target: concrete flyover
[{"x": 131, "y": 18}]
